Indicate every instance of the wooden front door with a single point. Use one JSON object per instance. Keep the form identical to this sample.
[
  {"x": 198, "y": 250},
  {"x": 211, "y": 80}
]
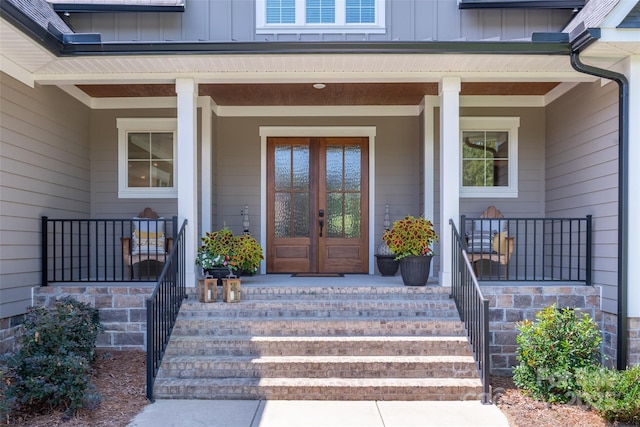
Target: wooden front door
[{"x": 317, "y": 205}]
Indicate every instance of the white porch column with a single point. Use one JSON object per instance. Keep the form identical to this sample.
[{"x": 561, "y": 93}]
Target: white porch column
[
  {"x": 187, "y": 91},
  {"x": 206, "y": 168},
  {"x": 633, "y": 232},
  {"x": 449, "y": 92}
]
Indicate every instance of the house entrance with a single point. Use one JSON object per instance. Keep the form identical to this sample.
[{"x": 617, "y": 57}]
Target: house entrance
[{"x": 317, "y": 205}]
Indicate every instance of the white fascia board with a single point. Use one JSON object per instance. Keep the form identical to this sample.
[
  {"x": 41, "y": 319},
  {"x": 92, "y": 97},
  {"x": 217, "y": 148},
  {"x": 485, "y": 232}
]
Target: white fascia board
[
  {"x": 9, "y": 67},
  {"x": 78, "y": 94},
  {"x": 131, "y": 103},
  {"x": 558, "y": 91},
  {"x": 617, "y": 15},
  {"x": 319, "y": 111},
  {"x": 631, "y": 35}
]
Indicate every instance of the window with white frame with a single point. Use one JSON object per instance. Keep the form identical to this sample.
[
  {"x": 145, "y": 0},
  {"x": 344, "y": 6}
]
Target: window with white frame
[
  {"x": 489, "y": 156},
  {"x": 147, "y": 158},
  {"x": 326, "y": 16}
]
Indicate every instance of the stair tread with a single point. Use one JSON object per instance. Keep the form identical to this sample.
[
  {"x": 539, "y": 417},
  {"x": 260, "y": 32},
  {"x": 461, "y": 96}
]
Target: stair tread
[
  {"x": 317, "y": 359},
  {"x": 343, "y": 382},
  {"x": 323, "y": 338}
]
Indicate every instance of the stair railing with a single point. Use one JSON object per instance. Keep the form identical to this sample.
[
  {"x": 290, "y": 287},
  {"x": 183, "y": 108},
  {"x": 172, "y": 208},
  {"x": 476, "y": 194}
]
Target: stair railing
[
  {"x": 163, "y": 306},
  {"x": 473, "y": 308}
]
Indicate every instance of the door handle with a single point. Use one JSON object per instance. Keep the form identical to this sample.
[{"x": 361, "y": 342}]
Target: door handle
[{"x": 321, "y": 220}]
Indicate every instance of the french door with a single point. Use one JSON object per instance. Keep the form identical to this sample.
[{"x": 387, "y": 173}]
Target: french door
[{"x": 317, "y": 205}]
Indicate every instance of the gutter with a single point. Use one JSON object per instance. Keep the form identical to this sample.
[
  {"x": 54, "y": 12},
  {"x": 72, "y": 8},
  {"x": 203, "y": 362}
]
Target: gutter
[{"x": 580, "y": 43}]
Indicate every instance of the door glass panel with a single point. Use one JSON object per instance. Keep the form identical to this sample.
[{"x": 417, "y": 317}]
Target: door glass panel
[
  {"x": 352, "y": 215},
  {"x": 283, "y": 168},
  {"x": 283, "y": 214},
  {"x": 301, "y": 214},
  {"x": 334, "y": 215},
  {"x": 352, "y": 171},
  {"x": 300, "y": 168},
  {"x": 334, "y": 168}
]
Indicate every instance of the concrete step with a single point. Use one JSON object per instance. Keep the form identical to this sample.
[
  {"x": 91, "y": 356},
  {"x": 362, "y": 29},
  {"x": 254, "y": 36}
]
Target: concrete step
[
  {"x": 319, "y": 367},
  {"x": 336, "y": 293},
  {"x": 314, "y": 326},
  {"x": 328, "y": 309},
  {"x": 320, "y": 388},
  {"x": 207, "y": 345}
]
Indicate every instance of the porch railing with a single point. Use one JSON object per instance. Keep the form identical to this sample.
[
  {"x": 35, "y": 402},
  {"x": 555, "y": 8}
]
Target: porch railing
[
  {"x": 95, "y": 250},
  {"x": 163, "y": 306},
  {"x": 473, "y": 308},
  {"x": 545, "y": 249}
]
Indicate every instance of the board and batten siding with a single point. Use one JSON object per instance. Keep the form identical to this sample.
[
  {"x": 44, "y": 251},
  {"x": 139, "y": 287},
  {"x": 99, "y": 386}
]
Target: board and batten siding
[
  {"x": 418, "y": 20},
  {"x": 582, "y": 172},
  {"x": 104, "y": 167},
  {"x": 44, "y": 170}
]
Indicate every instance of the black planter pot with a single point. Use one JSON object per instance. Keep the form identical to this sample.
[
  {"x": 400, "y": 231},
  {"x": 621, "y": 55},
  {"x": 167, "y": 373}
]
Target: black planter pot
[
  {"x": 415, "y": 270},
  {"x": 387, "y": 264},
  {"x": 218, "y": 273}
]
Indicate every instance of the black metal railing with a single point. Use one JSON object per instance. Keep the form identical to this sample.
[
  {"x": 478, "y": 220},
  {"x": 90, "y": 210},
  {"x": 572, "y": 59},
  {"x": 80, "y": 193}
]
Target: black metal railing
[
  {"x": 544, "y": 249},
  {"x": 163, "y": 306},
  {"x": 473, "y": 308},
  {"x": 105, "y": 250}
]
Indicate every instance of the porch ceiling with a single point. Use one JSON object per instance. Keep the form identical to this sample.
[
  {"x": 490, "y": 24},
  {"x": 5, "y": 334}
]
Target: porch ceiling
[{"x": 332, "y": 94}]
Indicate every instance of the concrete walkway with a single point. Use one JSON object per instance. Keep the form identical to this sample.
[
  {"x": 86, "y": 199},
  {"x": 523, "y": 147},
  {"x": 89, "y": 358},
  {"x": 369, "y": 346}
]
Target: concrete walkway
[{"x": 300, "y": 413}]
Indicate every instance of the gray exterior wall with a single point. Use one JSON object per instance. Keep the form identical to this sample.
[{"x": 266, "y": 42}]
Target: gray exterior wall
[
  {"x": 45, "y": 170},
  {"x": 226, "y": 20},
  {"x": 104, "y": 167},
  {"x": 582, "y": 172}
]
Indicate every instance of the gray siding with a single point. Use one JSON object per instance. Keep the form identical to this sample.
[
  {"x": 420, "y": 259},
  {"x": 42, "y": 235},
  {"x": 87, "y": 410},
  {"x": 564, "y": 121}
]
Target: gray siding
[
  {"x": 104, "y": 168},
  {"x": 44, "y": 170},
  {"x": 226, "y": 20},
  {"x": 582, "y": 172}
]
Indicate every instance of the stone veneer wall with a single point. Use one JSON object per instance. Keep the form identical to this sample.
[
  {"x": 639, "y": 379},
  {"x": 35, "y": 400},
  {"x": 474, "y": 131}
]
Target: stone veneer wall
[
  {"x": 122, "y": 311},
  {"x": 633, "y": 358},
  {"x": 510, "y": 304},
  {"x": 10, "y": 329}
]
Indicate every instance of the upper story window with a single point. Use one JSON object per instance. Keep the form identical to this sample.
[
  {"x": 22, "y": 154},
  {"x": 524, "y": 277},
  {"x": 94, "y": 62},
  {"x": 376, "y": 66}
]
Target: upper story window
[
  {"x": 147, "y": 158},
  {"x": 326, "y": 16},
  {"x": 489, "y": 164}
]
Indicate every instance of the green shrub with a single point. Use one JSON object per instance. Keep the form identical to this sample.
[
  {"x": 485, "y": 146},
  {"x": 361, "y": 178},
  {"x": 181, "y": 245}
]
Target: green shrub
[
  {"x": 614, "y": 394},
  {"x": 52, "y": 366},
  {"x": 551, "y": 349}
]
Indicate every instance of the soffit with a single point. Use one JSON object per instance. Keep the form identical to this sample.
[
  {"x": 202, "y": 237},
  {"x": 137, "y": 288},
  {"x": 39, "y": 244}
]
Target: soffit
[{"x": 333, "y": 94}]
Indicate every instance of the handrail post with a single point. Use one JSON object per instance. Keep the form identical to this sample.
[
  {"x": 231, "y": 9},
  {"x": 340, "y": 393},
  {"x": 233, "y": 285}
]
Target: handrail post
[
  {"x": 589, "y": 251},
  {"x": 44, "y": 255},
  {"x": 486, "y": 366},
  {"x": 150, "y": 352}
]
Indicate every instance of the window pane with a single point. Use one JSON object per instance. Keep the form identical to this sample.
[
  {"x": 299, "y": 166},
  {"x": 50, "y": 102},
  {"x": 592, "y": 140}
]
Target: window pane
[
  {"x": 162, "y": 146},
  {"x": 301, "y": 168},
  {"x": 352, "y": 168},
  {"x": 352, "y": 215},
  {"x": 334, "y": 168},
  {"x": 360, "y": 11},
  {"x": 300, "y": 215},
  {"x": 334, "y": 215},
  {"x": 282, "y": 214},
  {"x": 162, "y": 174},
  {"x": 281, "y": 11},
  {"x": 320, "y": 11},
  {"x": 138, "y": 174},
  {"x": 138, "y": 146}
]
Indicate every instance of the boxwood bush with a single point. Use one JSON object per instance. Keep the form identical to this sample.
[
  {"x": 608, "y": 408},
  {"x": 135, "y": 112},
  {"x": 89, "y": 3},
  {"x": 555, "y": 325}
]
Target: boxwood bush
[
  {"x": 52, "y": 366},
  {"x": 614, "y": 394},
  {"x": 550, "y": 351}
]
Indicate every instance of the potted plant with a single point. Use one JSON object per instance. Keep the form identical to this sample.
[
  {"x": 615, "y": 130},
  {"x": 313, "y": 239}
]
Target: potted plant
[
  {"x": 410, "y": 239},
  {"x": 215, "y": 255},
  {"x": 385, "y": 259},
  {"x": 247, "y": 253}
]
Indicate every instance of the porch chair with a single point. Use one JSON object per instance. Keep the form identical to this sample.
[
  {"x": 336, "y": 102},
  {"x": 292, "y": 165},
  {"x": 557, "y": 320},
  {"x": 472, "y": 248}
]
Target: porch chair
[
  {"x": 490, "y": 240},
  {"x": 148, "y": 243}
]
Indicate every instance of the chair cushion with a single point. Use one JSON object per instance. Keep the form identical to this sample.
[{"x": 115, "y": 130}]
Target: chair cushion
[
  {"x": 480, "y": 243},
  {"x": 148, "y": 237}
]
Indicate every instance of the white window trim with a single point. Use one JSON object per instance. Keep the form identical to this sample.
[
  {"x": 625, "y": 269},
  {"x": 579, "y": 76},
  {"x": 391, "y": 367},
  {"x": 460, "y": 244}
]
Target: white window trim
[
  {"x": 508, "y": 124},
  {"x": 126, "y": 125},
  {"x": 301, "y": 27}
]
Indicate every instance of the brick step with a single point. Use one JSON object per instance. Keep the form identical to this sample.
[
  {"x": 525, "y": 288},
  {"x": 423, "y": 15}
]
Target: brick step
[
  {"x": 332, "y": 293},
  {"x": 335, "y": 309},
  {"x": 317, "y": 346},
  {"x": 319, "y": 367},
  {"x": 320, "y": 388},
  {"x": 314, "y": 326}
]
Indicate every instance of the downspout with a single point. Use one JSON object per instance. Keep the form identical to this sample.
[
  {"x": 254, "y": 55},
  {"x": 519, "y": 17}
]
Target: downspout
[{"x": 579, "y": 44}]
